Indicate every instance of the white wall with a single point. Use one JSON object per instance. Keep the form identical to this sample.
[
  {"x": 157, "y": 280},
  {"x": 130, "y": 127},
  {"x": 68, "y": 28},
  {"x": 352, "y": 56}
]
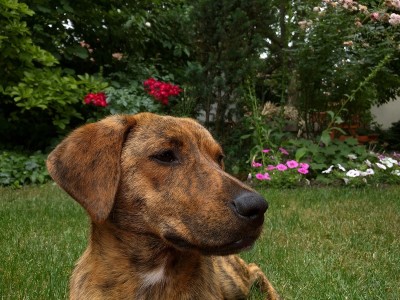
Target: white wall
[{"x": 387, "y": 113}]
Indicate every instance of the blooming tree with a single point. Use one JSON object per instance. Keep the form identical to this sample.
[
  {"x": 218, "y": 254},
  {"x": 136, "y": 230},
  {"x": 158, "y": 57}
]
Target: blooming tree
[{"x": 338, "y": 46}]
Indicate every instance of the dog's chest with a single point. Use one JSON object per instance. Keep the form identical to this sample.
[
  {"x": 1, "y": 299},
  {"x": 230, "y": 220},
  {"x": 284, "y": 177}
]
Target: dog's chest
[
  {"x": 154, "y": 277},
  {"x": 185, "y": 283}
]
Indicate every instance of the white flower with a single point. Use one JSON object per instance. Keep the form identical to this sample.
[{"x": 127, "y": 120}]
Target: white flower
[
  {"x": 389, "y": 162},
  {"x": 352, "y": 156},
  {"x": 368, "y": 163},
  {"x": 383, "y": 167},
  {"x": 353, "y": 173},
  {"x": 341, "y": 167},
  {"x": 396, "y": 172},
  {"x": 147, "y": 24},
  {"x": 369, "y": 172},
  {"x": 394, "y": 19},
  {"x": 327, "y": 171}
]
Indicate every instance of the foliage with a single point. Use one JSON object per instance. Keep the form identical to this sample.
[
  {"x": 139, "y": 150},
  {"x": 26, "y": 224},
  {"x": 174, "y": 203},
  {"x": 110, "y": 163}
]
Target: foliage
[
  {"x": 40, "y": 90},
  {"x": 124, "y": 36},
  {"x": 392, "y": 136},
  {"x": 321, "y": 156},
  {"x": 19, "y": 169},
  {"x": 228, "y": 37},
  {"x": 130, "y": 99},
  {"x": 263, "y": 132},
  {"x": 34, "y": 93},
  {"x": 17, "y": 50},
  {"x": 335, "y": 117},
  {"x": 331, "y": 47}
]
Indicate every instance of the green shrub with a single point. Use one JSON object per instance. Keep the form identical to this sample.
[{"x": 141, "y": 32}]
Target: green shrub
[
  {"x": 38, "y": 101},
  {"x": 392, "y": 136},
  {"x": 336, "y": 152},
  {"x": 130, "y": 99},
  {"x": 19, "y": 169},
  {"x": 53, "y": 93}
]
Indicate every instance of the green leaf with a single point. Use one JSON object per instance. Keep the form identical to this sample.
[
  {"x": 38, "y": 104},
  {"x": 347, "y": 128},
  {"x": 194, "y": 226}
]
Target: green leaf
[
  {"x": 80, "y": 52},
  {"x": 300, "y": 153},
  {"x": 325, "y": 137}
]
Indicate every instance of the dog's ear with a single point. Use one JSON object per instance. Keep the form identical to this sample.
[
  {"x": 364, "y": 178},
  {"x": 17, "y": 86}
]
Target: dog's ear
[{"x": 86, "y": 164}]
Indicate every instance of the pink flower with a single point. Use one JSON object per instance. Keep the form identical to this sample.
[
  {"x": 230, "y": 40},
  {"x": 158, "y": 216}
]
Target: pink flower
[
  {"x": 281, "y": 167},
  {"x": 283, "y": 151},
  {"x": 375, "y": 16},
  {"x": 256, "y": 164},
  {"x": 302, "y": 171},
  {"x": 117, "y": 55},
  {"x": 292, "y": 164},
  {"x": 270, "y": 168},
  {"x": 266, "y": 150},
  {"x": 260, "y": 176},
  {"x": 304, "y": 166}
]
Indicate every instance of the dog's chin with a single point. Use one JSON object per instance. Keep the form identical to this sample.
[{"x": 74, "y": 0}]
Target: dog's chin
[{"x": 223, "y": 249}]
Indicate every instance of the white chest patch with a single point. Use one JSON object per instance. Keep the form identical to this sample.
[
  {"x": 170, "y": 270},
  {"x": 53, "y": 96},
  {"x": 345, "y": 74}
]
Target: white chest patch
[{"x": 154, "y": 277}]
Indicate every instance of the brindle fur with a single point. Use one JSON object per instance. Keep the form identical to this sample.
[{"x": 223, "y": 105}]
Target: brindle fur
[{"x": 158, "y": 230}]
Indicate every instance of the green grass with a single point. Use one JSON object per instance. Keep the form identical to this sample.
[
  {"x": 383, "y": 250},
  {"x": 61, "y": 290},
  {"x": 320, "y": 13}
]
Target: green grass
[
  {"x": 42, "y": 235},
  {"x": 331, "y": 243}
]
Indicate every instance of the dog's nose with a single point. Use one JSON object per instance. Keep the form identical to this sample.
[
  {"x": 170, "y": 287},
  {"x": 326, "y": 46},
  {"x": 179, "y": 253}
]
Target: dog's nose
[{"x": 250, "y": 205}]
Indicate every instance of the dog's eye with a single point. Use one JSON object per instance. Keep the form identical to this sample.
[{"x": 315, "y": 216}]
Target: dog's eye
[{"x": 167, "y": 156}]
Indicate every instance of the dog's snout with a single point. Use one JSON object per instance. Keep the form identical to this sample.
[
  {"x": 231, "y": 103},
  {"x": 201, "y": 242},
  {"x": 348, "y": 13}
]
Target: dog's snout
[{"x": 250, "y": 205}]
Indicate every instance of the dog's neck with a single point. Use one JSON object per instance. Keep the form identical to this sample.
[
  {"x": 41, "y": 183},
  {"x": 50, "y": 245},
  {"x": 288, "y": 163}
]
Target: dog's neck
[{"x": 142, "y": 261}]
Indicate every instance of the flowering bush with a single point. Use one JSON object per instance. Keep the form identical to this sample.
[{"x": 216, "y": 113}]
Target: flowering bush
[
  {"x": 276, "y": 168},
  {"x": 342, "y": 39},
  {"x": 161, "y": 91},
  {"x": 380, "y": 169},
  {"x": 97, "y": 99}
]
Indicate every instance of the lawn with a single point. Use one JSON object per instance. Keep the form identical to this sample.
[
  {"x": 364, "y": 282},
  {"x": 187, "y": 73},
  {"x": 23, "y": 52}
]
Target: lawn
[{"x": 326, "y": 243}]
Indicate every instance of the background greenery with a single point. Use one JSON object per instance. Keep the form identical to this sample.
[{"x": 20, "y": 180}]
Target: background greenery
[
  {"x": 292, "y": 52},
  {"x": 330, "y": 243}
]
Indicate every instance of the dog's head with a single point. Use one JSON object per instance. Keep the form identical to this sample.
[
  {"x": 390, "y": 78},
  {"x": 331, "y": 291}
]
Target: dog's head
[{"x": 161, "y": 176}]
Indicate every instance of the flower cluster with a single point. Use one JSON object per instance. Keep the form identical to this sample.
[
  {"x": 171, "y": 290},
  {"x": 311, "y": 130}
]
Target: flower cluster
[
  {"x": 382, "y": 169},
  {"x": 161, "y": 91},
  {"x": 277, "y": 168},
  {"x": 384, "y": 15},
  {"x": 97, "y": 99}
]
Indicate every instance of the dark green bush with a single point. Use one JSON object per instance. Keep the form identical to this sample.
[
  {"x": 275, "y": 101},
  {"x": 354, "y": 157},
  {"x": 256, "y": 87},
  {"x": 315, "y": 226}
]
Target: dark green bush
[
  {"x": 17, "y": 169},
  {"x": 392, "y": 136}
]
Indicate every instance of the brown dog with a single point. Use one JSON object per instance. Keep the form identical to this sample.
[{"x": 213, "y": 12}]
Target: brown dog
[{"x": 165, "y": 216}]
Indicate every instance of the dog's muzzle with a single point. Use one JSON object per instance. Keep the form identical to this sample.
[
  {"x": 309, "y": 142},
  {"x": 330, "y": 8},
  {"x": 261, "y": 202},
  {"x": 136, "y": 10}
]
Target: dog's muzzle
[{"x": 250, "y": 206}]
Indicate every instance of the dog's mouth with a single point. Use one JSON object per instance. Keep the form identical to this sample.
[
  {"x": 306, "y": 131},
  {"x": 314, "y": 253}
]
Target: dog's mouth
[{"x": 225, "y": 249}]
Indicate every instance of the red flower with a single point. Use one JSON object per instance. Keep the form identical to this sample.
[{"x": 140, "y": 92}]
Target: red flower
[
  {"x": 161, "y": 91},
  {"x": 97, "y": 99}
]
